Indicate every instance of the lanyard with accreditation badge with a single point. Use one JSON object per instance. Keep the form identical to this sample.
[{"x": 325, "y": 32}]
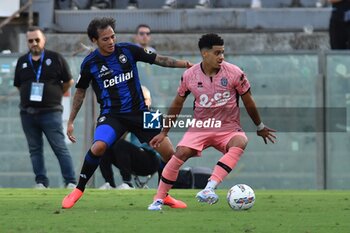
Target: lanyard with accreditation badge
[{"x": 36, "y": 92}]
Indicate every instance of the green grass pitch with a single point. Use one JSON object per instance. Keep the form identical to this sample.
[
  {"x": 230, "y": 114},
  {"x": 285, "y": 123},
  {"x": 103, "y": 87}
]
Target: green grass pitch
[{"x": 29, "y": 210}]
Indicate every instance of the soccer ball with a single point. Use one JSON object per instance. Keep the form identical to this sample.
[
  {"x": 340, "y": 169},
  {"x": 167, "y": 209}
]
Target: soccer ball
[{"x": 241, "y": 197}]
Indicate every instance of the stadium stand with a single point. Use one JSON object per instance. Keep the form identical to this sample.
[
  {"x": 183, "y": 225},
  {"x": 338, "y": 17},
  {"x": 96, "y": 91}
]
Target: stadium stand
[{"x": 276, "y": 26}]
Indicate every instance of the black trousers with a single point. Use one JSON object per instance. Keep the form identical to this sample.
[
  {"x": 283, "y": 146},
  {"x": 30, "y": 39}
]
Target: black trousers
[{"x": 130, "y": 159}]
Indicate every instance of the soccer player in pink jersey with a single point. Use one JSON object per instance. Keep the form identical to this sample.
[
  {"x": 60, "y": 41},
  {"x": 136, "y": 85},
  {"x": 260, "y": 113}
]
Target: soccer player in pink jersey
[{"x": 216, "y": 86}]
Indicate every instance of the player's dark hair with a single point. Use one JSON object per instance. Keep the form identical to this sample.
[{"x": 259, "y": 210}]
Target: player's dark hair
[
  {"x": 99, "y": 23},
  {"x": 35, "y": 28},
  {"x": 207, "y": 41},
  {"x": 142, "y": 26}
]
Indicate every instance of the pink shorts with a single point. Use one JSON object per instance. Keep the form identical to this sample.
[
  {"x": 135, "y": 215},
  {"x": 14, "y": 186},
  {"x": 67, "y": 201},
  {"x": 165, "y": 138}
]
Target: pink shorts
[{"x": 202, "y": 140}]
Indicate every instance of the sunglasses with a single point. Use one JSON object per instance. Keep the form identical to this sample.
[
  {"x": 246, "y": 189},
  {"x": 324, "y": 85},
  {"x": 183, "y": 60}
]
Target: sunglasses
[
  {"x": 144, "y": 33},
  {"x": 30, "y": 41}
]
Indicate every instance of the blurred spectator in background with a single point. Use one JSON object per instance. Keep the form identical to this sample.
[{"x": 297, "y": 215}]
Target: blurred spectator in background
[
  {"x": 76, "y": 4},
  {"x": 42, "y": 76},
  {"x": 106, "y": 4},
  {"x": 143, "y": 37},
  {"x": 133, "y": 4},
  {"x": 339, "y": 25},
  {"x": 321, "y": 3},
  {"x": 255, "y": 4},
  {"x": 202, "y": 4},
  {"x": 66, "y": 4},
  {"x": 101, "y": 4}
]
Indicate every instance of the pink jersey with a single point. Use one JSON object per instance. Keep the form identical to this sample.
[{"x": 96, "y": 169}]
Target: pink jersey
[{"x": 216, "y": 97}]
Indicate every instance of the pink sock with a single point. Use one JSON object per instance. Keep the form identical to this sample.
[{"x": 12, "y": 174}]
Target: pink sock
[
  {"x": 169, "y": 176},
  {"x": 227, "y": 162}
]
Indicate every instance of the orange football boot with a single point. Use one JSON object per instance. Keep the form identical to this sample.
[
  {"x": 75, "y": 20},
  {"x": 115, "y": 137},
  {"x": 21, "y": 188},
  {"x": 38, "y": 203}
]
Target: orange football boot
[
  {"x": 173, "y": 203},
  {"x": 69, "y": 200}
]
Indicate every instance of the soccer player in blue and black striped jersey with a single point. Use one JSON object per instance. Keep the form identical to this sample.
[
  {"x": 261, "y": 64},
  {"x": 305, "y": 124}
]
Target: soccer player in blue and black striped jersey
[{"x": 112, "y": 72}]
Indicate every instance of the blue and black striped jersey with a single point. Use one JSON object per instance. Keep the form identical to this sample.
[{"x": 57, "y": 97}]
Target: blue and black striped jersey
[{"x": 115, "y": 79}]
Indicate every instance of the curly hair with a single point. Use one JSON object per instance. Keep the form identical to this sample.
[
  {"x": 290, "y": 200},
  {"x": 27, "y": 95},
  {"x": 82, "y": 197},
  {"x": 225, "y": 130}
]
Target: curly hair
[
  {"x": 99, "y": 23},
  {"x": 207, "y": 41}
]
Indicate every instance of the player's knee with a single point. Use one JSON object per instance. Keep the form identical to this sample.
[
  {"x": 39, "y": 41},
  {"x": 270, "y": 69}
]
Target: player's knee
[
  {"x": 99, "y": 148},
  {"x": 183, "y": 153},
  {"x": 243, "y": 144},
  {"x": 168, "y": 146},
  {"x": 166, "y": 150},
  {"x": 238, "y": 141}
]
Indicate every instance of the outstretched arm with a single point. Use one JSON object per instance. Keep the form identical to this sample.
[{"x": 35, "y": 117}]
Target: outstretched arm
[
  {"x": 171, "y": 62},
  {"x": 77, "y": 102},
  {"x": 174, "y": 110},
  {"x": 262, "y": 130}
]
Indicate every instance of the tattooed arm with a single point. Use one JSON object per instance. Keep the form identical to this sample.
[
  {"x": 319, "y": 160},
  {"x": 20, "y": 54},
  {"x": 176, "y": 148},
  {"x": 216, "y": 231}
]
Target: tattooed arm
[
  {"x": 171, "y": 62},
  {"x": 77, "y": 102}
]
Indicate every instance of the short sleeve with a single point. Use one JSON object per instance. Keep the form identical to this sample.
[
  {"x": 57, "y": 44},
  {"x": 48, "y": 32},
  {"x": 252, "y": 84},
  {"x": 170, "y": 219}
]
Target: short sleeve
[
  {"x": 84, "y": 77},
  {"x": 66, "y": 74},
  {"x": 183, "y": 90},
  {"x": 17, "y": 80},
  {"x": 242, "y": 85},
  {"x": 141, "y": 54}
]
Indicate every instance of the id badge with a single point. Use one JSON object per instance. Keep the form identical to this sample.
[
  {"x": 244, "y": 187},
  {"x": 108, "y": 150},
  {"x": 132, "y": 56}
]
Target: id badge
[
  {"x": 347, "y": 16},
  {"x": 36, "y": 92}
]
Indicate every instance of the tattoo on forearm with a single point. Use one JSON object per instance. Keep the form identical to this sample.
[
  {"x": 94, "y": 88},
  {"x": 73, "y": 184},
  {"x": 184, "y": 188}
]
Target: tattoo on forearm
[
  {"x": 165, "y": 61},
  {"x": 77, "y": 103}
]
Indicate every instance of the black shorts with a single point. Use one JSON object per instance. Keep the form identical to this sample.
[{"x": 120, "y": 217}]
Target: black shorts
[{"x": 110, "y": 128}]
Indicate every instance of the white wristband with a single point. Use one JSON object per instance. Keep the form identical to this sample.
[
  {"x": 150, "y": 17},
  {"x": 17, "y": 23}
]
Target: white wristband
[{"x": 260, "y": 127}]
